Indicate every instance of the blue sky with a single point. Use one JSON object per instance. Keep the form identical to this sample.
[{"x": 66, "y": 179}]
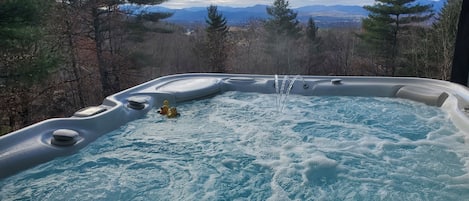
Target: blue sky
[{"x": 245, "y": 3}]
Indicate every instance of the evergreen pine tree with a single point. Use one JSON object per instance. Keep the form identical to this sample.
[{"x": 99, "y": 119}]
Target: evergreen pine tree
[
  {"x": 216, "y": 44},
  {"x": 27, "y": 56},
  {"x": 385, "y": 23},
  {"x": 282, "y": 21},
  {"x": 24, "y": 55},
  {"x": 311, "y": 29},
  {"x": 312, "y": 35},
  {"x": 313, "y": 41},
  {"x": 282, "y": 32}
]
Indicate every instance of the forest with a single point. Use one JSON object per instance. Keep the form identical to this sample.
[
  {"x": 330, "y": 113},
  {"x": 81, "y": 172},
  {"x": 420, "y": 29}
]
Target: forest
[{"x": 60, "y": 56}]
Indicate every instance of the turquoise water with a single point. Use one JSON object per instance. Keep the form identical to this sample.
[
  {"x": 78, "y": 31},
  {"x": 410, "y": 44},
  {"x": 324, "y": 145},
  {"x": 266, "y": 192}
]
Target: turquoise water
[{"x": 236, "y": 146}]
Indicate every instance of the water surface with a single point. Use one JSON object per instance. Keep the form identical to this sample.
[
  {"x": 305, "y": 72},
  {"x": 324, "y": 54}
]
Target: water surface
[{"x": 237, "y": 146}]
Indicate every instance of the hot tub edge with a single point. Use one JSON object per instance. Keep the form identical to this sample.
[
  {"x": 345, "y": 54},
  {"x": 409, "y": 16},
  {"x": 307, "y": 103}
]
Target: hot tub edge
[{"x": 34, "y": 141}]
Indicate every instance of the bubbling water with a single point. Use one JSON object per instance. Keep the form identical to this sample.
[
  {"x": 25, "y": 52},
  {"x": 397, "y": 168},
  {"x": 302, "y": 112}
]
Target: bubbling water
[{"x": 236, "y": 147}]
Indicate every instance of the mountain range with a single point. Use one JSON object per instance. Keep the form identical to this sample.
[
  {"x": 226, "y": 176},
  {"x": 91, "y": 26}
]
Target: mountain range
[{"x": 324, "y": 16}]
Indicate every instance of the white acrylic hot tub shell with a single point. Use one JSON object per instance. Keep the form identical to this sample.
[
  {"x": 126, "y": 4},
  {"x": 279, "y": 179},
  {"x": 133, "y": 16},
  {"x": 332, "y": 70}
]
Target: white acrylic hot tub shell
[{"x": 30, "y": 146}]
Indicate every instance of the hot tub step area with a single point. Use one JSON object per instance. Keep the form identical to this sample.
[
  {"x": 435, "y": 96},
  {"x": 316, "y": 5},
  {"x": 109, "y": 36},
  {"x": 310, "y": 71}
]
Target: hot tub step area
[{"x": 90, "y": 111}]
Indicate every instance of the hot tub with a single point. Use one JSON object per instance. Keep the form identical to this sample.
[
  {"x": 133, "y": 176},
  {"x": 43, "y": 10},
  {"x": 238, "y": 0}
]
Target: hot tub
[{"x": 53, "y": 138}]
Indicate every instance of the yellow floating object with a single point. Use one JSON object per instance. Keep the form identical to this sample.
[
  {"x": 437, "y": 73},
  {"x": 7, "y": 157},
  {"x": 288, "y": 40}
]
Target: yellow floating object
[
  {"x": 165, "y": 108},
  {"x": 172, "y": 113}
]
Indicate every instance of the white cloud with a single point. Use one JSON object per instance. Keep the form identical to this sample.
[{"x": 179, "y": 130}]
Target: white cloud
[{"x": 245, "y": 3}]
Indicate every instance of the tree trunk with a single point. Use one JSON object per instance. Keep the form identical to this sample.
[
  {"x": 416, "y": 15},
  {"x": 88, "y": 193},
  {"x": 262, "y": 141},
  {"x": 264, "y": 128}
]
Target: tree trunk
[
  {"x": 73, "y": 58},
  {"x": 460, "y": 70},
  {"x": 107, "y": 88}
]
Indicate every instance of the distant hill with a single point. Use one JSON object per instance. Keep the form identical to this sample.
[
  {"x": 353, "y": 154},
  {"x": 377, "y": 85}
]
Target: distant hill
[{"x": 325, "y": 16}]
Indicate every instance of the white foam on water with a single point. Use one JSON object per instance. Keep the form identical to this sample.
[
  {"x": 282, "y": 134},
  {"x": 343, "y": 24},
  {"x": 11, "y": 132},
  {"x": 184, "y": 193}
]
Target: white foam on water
[{"x": 237, "y": 146}]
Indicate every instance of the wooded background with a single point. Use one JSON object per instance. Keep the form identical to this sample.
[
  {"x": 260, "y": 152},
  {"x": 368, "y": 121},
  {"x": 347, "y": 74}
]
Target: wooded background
[{"x": 58, "y": 57}]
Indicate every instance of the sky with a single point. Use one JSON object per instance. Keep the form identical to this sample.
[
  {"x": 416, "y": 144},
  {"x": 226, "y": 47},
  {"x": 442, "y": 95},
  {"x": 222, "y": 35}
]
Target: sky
[{"x": 246, "y": 3}]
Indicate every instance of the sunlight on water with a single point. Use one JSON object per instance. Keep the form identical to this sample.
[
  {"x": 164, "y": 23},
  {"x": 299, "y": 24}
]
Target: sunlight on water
[{"x": 236, "y": 146}]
